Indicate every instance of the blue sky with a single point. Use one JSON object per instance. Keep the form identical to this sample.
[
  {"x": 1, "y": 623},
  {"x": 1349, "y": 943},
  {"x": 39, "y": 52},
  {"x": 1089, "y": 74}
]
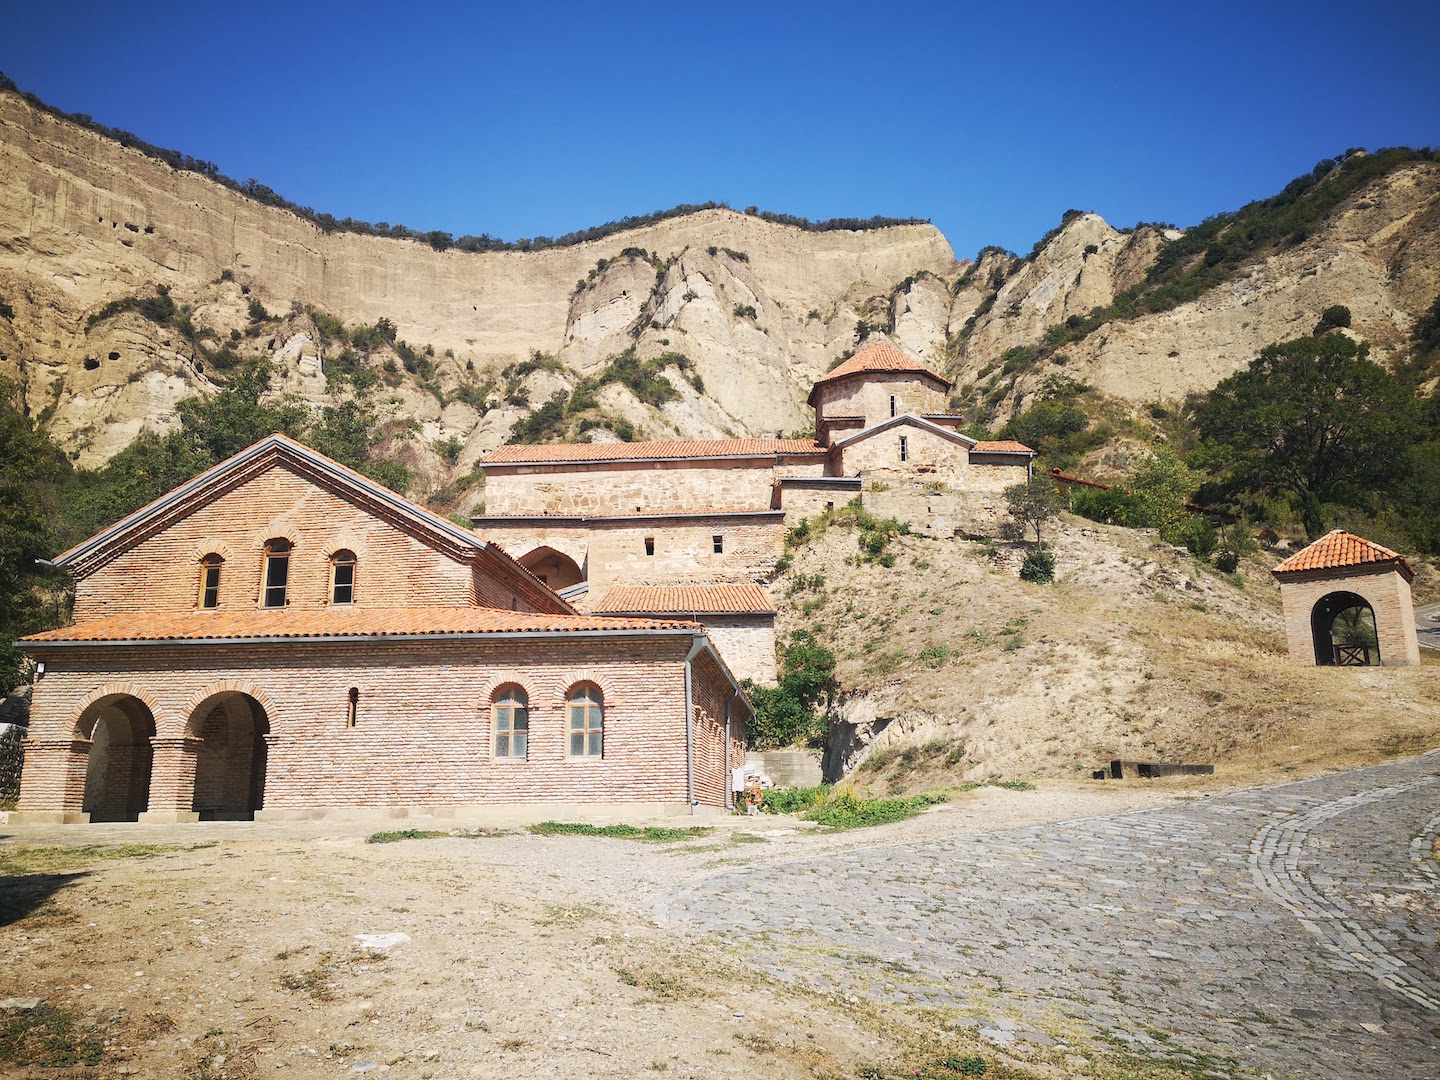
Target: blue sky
[{"x": 522, "y": 119}]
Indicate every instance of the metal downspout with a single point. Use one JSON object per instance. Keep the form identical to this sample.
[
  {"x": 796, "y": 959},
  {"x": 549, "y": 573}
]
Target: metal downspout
[
  {"x": 729, "y": 783},
  {"x": 701, "y": 641}
]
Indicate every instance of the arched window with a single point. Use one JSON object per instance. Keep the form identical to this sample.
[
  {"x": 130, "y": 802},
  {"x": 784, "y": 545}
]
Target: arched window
[
  {"x": 277, "y": 572},
  {"x": 511, "y": 714},
  {"x": 342, "y": 577},
  {"x": 587, "y": 721},
  {"x": 210, "y": 580}
]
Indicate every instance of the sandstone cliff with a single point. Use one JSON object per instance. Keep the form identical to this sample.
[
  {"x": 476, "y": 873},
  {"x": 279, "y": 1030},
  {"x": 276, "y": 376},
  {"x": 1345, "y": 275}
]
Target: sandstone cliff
[{"x": 759, "y": 309}]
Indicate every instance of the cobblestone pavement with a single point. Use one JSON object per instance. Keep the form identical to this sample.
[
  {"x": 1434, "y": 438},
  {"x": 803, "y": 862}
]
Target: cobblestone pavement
[{"x": 1287, "y": 932}]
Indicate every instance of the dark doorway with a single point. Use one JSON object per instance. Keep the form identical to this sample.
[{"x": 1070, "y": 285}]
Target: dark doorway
[
  {"x": 1343, "y": 627},
  {"x": 230, "y": 767},
  {"x": 117, "y": 776}
]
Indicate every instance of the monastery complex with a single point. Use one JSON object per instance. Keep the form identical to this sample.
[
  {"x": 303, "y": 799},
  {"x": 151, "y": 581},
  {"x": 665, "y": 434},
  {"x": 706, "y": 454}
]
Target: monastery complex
[{"x": 283, "y": 638}]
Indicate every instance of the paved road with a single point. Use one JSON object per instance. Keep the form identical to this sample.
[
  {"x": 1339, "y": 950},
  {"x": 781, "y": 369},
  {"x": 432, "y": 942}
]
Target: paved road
[
  {"x": 1427, "y": 626},
  {"x": 1288, "y": 932}
]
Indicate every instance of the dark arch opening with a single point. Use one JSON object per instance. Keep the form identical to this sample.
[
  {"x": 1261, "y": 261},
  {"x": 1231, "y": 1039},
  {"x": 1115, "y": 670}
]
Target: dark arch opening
[
  {"x": 1342, "y": 625},
  {"x": 117, "y": 775},
  {"x": 555, "y": 568},
  {"x": 230, "y": 766}
]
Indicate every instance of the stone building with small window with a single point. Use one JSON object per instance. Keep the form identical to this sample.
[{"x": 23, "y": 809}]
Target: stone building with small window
[
  {"x": 282, "y": 638},
  {"x": 703, "y": 516}
]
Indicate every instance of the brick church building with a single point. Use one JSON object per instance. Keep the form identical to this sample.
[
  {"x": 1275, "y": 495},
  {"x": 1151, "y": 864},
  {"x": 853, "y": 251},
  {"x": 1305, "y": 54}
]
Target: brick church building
[{"x": 282, "y": 638}]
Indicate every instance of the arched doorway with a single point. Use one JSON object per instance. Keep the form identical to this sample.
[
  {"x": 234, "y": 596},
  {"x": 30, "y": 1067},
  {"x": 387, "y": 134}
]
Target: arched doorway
[
  {"x": 230, "y": 765},
  {"x": 117, "y": 776},
  {"x": 554, "y": 568},
  {"x": 1343, "y": 626}
]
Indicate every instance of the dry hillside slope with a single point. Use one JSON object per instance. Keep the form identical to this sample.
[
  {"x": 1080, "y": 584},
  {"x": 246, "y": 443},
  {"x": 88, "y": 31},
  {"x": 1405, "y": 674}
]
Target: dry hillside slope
[{"x": 952, "y": 669}]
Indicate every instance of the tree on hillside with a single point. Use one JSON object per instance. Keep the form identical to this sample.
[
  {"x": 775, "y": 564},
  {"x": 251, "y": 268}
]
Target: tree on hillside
[
  {"x": 793, "y": 711},
  {"x": 1034, "y": 504},
  {"x": 1314, "y": 421}
]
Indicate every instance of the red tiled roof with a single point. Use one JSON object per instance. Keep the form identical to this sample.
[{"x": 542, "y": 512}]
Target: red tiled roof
[
  {"x": 1003, "y": 446},
  {"x": 368, "y": 622},
  {"x": 880, "y": 356},
  {"x": 1339, "y": 549},
  {"x": 648, "y": 451},
  {"x": 711, "y": 599}
]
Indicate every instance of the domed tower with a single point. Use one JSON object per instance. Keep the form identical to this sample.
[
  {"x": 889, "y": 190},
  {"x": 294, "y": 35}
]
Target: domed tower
[{"x": 877, "y": 383}]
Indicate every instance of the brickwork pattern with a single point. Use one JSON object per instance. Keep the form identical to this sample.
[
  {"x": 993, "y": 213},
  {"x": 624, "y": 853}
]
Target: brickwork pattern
[
  {"x": 1383, "y": 587},
  {"x": 423, "y": 734}
]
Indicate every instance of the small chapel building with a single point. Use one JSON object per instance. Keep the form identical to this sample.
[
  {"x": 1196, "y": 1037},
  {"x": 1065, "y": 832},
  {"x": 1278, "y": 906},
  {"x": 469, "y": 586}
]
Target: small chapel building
[{"x": 282, "y": 638}]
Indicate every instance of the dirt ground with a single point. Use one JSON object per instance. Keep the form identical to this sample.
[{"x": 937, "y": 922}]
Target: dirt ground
[{"x": 230, "y": 950}]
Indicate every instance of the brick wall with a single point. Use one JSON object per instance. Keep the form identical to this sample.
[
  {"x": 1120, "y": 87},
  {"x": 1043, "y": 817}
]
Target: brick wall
[
  {"x": 423, "y": 733},
  {"x": 162, "y": 573},
  {"x": 1387, "y": 592}
]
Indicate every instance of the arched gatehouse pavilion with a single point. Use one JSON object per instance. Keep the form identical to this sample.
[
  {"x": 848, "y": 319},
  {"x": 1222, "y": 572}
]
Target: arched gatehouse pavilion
[{"x": 1347, "y": 602}]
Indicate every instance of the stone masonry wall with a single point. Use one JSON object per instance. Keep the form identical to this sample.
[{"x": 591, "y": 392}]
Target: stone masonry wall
[
  {"x": 870, "y": 397},
  {"x": 614, "y": 552},
  {"x": 423, "y": 733},
  {"x": 1387, "y": 592},
  {"x": 637, "y": 487},
  {"x": 929, "y": 457},
  {"x": 746, "y": 643}
]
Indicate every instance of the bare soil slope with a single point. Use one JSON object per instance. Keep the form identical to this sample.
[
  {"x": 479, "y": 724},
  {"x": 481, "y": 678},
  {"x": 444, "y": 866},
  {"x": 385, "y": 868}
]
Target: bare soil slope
[{"x": 953, "y": 669}]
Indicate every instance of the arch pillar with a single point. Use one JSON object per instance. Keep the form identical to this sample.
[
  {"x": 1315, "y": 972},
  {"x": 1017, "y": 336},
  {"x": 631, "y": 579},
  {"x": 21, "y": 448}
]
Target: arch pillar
[
  {"x": 172, "y": 780},
  {"x": 52, "y": 786}
]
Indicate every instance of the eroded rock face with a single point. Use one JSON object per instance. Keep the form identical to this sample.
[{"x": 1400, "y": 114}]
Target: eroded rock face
[
  {"x": 84, "y": 221},
  {"x": 760, "y": 310}
]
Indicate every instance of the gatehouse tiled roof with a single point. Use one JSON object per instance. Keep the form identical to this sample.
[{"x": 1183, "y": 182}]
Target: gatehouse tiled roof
[
  {"x": 550, "y": 453},
  {"x": 259, "y": 623},
  {"x": 745, "y": 598},
  {"x": 1339, "y": 549}
]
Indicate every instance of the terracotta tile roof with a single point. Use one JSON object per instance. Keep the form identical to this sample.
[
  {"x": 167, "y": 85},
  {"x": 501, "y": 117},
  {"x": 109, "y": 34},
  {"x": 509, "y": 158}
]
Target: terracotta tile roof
[
  {"x": 1338, "y": 549},
  {"x": 880, "y": 356},
  {"x": 371, "y": 622},
  {"x": 709, "y": 599},
  {"x": 648, "y": 451},
  {"x": 1003, "y": 446}
]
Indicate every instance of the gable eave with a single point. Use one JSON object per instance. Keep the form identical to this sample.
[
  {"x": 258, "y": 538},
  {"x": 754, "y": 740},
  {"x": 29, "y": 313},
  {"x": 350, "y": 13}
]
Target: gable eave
[{"x": 907, "y": 420}]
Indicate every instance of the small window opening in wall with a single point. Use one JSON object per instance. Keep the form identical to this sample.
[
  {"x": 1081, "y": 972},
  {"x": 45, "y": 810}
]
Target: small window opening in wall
[
  {"x": 649, "y": 545},
  {"x": 904, "y": 448},
  {"x": 342, "y": 577},
  {"x": 277, "y": 572},
  {"x": 210, "y": 581},
  {"x": 352, "y": 710},
  {"x": 718, "y": 542},
  {"x": 894, "y": 404}
]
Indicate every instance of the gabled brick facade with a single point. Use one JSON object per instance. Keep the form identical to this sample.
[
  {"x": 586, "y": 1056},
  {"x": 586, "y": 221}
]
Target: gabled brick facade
[{"x": 435, "y": 675}]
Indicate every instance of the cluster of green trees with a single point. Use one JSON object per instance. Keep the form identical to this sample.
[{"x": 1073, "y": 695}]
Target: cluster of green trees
[
  {"x": 1312, "y": 433},
  {"x": 46, "y": 505}
]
